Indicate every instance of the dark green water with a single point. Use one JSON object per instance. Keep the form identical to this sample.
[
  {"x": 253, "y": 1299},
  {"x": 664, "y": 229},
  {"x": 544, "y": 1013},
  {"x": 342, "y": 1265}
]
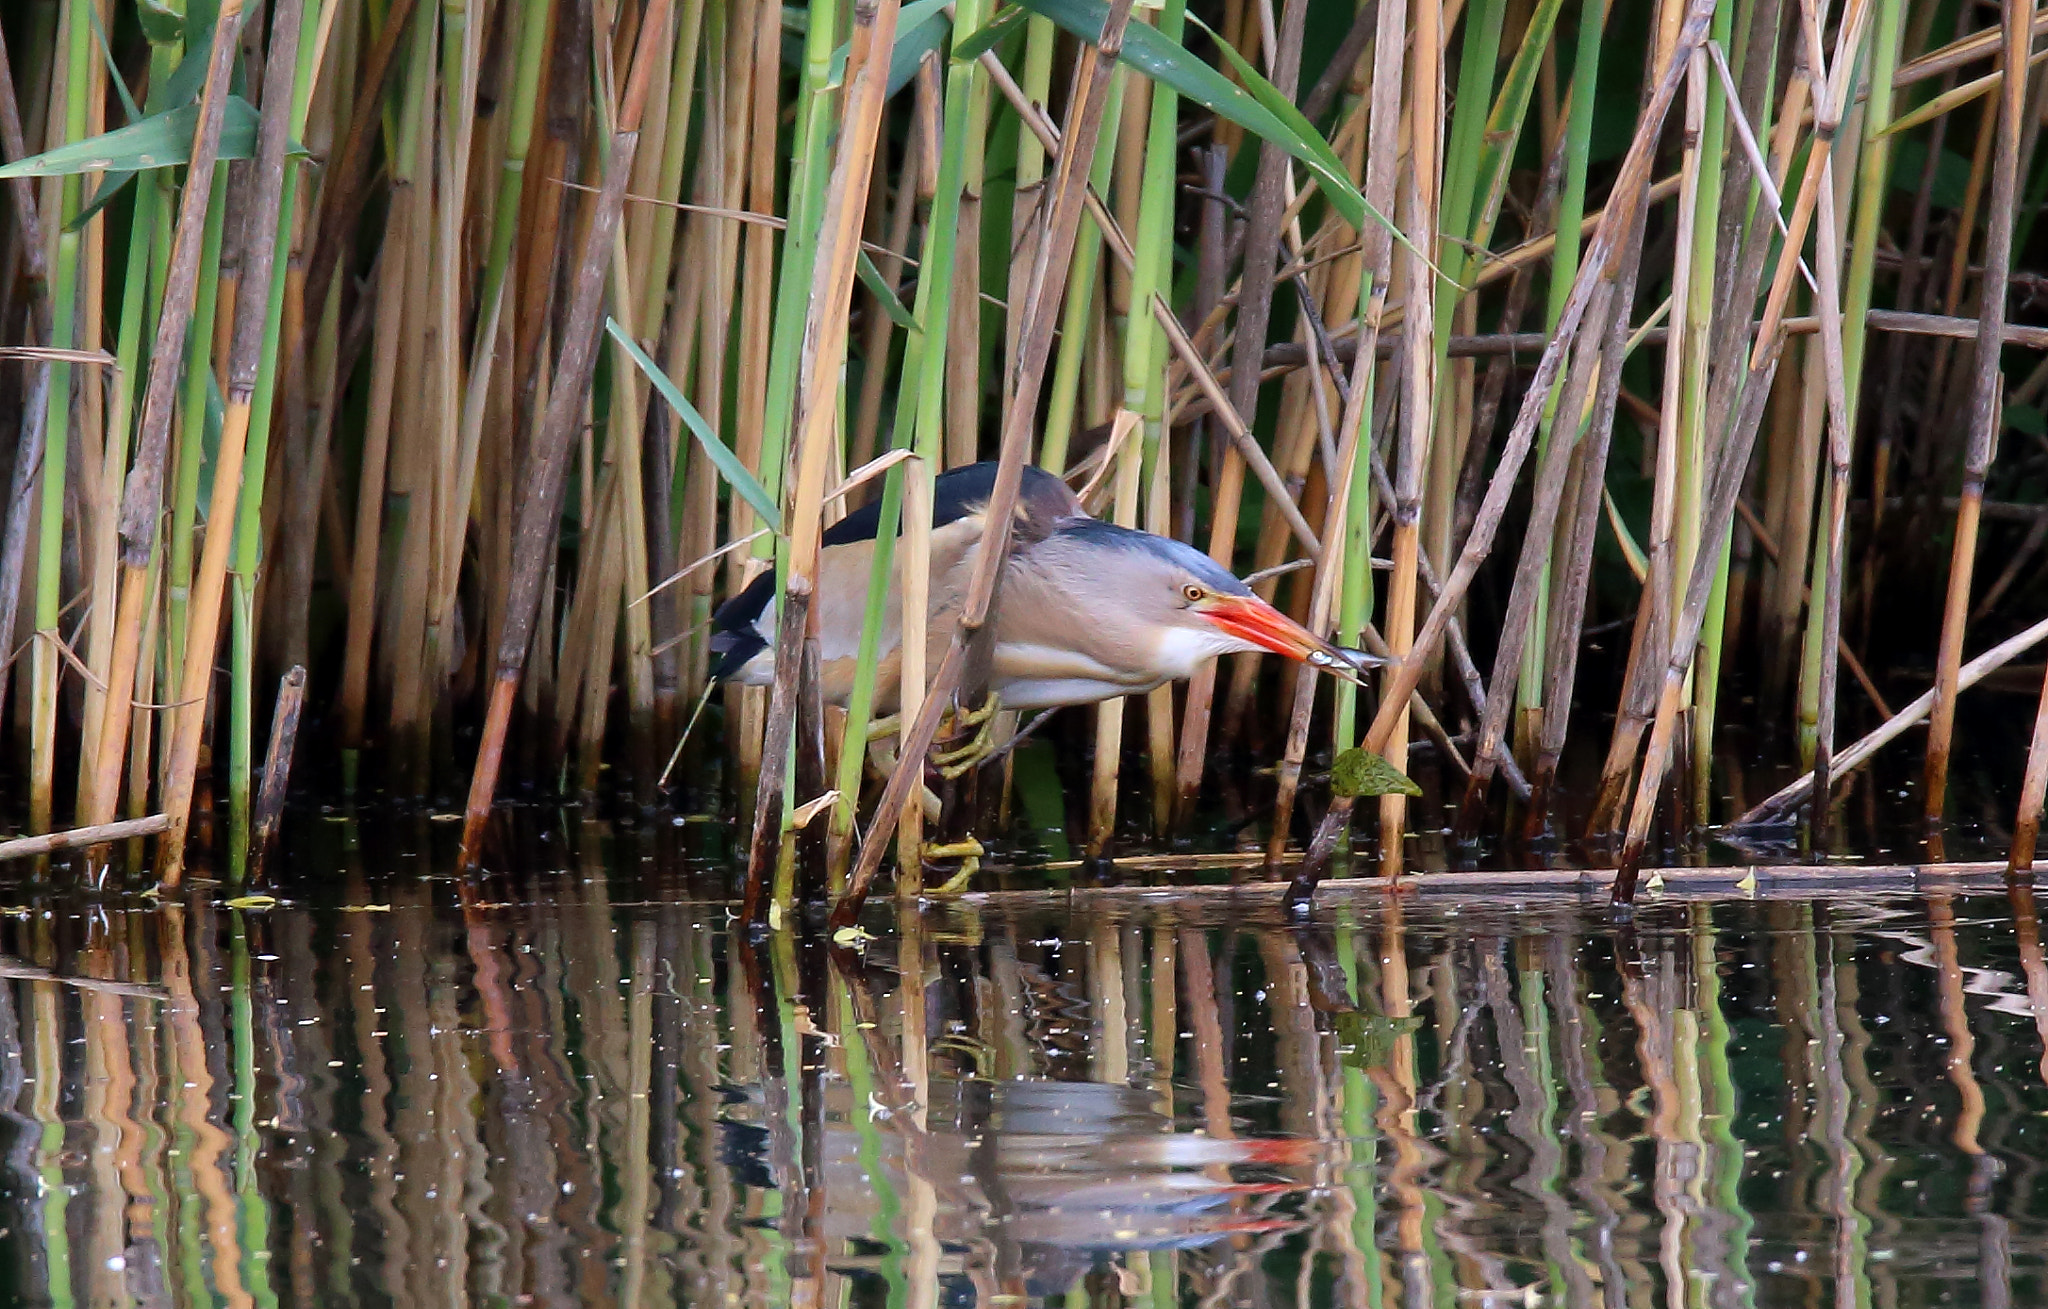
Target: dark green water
[{"x": 582, "y": 1089}]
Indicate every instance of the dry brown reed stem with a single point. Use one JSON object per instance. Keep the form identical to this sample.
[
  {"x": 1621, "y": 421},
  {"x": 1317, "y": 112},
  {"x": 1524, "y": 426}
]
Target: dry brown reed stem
[
  {"x": 825, "y": 331},
  {"x": 1536, "y": 553},
  {"x": 344, "y": 190},
  {"x": 1984, "y": 407},
  {"x": 28, "y": 451},
  {"x": 1629, "y": 186},
  {"x": 1965, "y": 50},
  {"x": 1828, "y": 301},
  {"x": 547, "y": 464},
  {"x": 1853, "y": 21},
  {"x": 1574, "y": 547},
  {"x": 1041, "y": 311},
  {"x": 2026, "y": 828},
  {"x": 1657, "y": 638},
  {"x": 81, "y": 838},
  {"x": 1419, "y": 195},
  {"x": 142, "y": 498},
  {"x": 1329, "y": 575},
  {"x": 188, "y": 721},
  {"x": 277, "y": 768},
  {"x": 1377, "y": 250}
]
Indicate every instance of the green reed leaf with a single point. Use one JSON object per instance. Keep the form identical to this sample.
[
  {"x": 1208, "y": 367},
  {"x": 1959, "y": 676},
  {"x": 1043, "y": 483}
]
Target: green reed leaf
[
  {"x": 722, "y": 458},
  {"x": 158, "y": 141},
  {"x": 993, "y": 35},
  {"x": 892, "y": 304}
]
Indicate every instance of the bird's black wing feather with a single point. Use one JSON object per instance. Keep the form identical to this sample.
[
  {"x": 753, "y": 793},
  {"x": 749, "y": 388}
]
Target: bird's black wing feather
[{"x": 1043, "y": 501}]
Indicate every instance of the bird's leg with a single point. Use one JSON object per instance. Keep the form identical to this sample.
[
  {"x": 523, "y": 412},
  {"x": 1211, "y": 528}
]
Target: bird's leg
[
  {"x": 882, "y": 758},
  {"x": 881, "y": 727},
  {"x": 952, "y": 763},
  {"x": 968, "y": 852}
]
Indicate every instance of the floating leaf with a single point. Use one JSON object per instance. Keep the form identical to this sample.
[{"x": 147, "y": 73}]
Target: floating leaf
[
  {"x": 1359, "y": 772},
  {"x": 252, "y": 902},
  {"x": 892, "y": 304},
  {"x": 158, "y": 141},
  {"x": 721, "y": 455}
]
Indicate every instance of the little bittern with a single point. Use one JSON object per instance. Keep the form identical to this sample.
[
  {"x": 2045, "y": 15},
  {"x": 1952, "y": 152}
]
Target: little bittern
[{"x": 1088, "y": 610}]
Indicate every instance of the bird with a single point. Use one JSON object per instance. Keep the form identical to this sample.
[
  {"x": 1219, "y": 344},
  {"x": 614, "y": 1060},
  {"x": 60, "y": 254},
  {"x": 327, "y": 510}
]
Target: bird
[{"x": 1088, "y": 611}]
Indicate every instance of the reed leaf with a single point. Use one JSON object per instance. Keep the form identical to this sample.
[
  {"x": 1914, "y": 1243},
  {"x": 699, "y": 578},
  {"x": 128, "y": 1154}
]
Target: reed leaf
[
  {"x": 722, "y": 458},
  {"x": 162, "y": 140}
]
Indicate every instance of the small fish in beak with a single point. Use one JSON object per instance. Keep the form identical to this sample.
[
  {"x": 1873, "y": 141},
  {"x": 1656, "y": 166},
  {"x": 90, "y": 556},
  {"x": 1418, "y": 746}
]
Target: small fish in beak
[{"x": 1251, "y": 619}]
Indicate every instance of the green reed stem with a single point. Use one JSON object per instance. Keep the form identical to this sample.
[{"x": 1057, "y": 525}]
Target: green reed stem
[
  {"x": 1064, "y": 393},
  {"x": 1873, "y": 176},
  {"x": 935, "y": 272},
  {"x": 57, "y": 441},
  {"x": 1694, "y": 358},
  {"x": 1564, "y": 270}
]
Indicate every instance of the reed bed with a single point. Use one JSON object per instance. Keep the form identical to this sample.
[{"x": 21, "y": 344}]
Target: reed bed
[{"x": 467, "y": 354}]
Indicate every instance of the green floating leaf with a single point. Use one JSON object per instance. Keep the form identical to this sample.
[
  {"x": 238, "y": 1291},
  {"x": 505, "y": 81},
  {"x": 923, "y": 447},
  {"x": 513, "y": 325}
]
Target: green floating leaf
[
  {"x": 892, "y": 304},
  {"x": 1359, "y": 772},
  {"x": 158, "y": 141},
  {"x": 721, "y": 455}
]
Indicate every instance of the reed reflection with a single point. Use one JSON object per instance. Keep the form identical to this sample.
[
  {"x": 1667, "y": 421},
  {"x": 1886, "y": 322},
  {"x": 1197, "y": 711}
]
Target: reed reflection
[{"x": 595, "y": 1096}]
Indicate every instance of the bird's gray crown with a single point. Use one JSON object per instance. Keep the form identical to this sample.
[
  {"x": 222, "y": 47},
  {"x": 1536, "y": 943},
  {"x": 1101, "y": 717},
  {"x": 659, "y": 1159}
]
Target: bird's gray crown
[{"x": 1095, "y": 533}]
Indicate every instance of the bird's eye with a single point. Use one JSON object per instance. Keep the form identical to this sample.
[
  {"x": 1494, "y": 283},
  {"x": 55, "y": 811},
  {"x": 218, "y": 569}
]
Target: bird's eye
[{"x": 1193, "y": 593}]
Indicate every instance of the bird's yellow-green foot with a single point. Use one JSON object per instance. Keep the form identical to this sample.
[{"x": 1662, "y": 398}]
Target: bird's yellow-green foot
[
  {"x": 952, "y": 763},
  {"x": 968, "y": 852}
]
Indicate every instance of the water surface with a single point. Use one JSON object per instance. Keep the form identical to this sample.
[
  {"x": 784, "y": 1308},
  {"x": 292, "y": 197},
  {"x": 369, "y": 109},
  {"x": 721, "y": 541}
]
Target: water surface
[{"x": 581, "y": 1088}]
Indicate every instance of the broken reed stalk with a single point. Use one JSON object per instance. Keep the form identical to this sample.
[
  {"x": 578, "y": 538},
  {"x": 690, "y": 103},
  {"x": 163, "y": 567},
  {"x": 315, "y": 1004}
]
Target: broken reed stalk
[
  {"x": 83, "y": 838},
  {"x": 255, "y": 340},
  {"x": 1985, "y": 404},
  {"x": 277, "y": 767},
  {"x": 547, "y": 465},
  {"x": 975, "y": 632}
]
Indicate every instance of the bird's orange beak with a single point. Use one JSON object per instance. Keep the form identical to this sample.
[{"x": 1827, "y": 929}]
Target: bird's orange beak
[{"x": 1251, "y": 619}]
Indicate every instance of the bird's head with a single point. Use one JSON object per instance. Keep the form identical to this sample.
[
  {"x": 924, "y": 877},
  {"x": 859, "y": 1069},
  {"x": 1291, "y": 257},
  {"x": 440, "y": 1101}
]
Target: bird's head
[{"x": 1196, "y": 608}]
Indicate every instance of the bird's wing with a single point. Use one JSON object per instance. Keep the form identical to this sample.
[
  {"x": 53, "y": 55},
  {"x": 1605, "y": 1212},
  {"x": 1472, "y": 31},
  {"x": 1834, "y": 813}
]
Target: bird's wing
[{"x": 959, "y": 497}]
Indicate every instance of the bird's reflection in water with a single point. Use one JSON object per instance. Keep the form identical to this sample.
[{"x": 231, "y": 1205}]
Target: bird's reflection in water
[{"x": 1047, "y": 1179}]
